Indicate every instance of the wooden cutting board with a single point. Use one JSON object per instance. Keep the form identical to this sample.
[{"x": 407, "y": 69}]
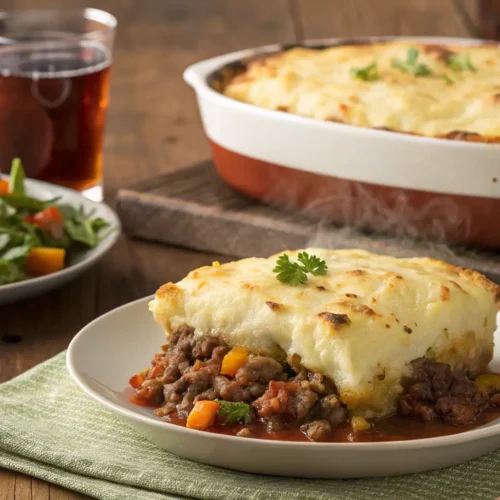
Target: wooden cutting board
[{"x": 194, "y": 208}]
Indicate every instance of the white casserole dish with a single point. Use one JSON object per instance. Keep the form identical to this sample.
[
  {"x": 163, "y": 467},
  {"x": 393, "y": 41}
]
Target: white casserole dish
[{"x": 388, "y": 181}]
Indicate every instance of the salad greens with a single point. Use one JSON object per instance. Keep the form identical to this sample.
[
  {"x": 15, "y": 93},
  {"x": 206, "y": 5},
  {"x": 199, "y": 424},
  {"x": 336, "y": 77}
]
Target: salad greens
[
  {"x": 16, "y": 184},
  {"x": 38, "y": 236}
]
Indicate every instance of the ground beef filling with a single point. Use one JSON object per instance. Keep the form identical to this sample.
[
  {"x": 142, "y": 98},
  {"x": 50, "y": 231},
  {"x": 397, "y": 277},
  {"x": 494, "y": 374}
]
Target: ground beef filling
[
  {"x": 435, "y": 392},
  {"x": 286, "y": 394},
  {"x": 281, "y": 395}
]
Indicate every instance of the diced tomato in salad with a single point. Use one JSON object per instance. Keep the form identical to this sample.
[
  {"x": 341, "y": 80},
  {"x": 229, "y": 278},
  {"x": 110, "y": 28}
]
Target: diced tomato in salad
[
  {"x": 46, "y": 217},
  {"x": 50, "y": 220}
]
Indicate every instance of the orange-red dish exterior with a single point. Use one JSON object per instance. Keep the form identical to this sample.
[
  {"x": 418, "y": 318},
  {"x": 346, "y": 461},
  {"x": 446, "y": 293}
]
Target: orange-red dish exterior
[{"x": 454, "y": 218}]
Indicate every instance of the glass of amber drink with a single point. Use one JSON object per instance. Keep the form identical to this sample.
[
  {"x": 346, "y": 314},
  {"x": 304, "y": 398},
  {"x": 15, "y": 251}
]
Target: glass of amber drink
[{"x": 54, "y": 86}]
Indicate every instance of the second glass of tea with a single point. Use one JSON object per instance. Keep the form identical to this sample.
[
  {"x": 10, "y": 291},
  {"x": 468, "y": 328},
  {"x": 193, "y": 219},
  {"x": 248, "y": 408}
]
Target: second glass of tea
[{"x": 54, "y": 92}]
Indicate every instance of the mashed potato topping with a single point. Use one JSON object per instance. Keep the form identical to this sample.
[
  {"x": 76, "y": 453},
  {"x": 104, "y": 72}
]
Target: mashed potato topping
[
  {"x": 360, "y": 324},
  {"x": 445, "y": 91}
]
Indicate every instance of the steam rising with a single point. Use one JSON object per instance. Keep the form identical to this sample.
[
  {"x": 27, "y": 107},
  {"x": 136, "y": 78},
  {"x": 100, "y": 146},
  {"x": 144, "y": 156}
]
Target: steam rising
[{"x": 363, "y": 220}]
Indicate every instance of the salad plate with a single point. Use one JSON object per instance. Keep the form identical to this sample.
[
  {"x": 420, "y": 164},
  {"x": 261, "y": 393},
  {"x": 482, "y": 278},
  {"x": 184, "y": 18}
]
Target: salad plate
[{"x": 80, "y": 254}]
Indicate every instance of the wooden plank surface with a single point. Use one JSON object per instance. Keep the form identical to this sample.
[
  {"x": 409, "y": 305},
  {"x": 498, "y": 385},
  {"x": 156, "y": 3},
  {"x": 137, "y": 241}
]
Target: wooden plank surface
[
  {"x": 192, "y": 207},
  {"x": 327, "y": 18},
  {"x": 154, "y": 127}
]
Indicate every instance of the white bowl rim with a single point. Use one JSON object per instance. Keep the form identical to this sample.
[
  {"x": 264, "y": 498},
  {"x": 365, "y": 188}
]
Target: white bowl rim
[
  {"x": 196, "y": 76},
  {"x": 441, "y": 441},
  {"x": 100, "y": 249}
]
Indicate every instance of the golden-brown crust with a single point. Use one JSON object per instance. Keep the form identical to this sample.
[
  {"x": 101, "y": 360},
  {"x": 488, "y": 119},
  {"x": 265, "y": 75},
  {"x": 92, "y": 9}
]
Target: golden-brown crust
[
  {"x": 336, "y": 320},
  {"x": 445, "y": 293},
  {"x": 274, "y": 306},
  {"x": 480, "y": 279},
  {"x": 168, "y": 290},
  {"x": 470, "y": 275},
  {"x": 357, "y": 308}
]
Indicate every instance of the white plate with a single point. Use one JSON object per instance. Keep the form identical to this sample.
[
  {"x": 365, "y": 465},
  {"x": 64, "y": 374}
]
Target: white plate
[
  {"x": 80, "y": 262},
  {"x": 130, "y": 336}
]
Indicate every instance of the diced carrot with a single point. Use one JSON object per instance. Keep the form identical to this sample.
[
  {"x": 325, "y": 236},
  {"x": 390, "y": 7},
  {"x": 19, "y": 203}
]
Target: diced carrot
[
  {"x": 233, "y": 361},
  {"x": 142, "y": 401},
  {"x": 136, "y": 381},
  {"x": 4, "y": 187},
  {"x": 156, "y": 371},
  {"x": 202, "y": 415},
  {"x": 43, "y": 260}
]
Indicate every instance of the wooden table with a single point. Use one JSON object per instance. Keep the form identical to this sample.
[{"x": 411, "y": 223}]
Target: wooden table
[{"x": 154, "y": 126}]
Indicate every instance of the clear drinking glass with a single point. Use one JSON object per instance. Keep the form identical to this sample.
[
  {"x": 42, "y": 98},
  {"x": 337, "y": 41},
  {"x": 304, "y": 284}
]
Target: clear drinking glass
[{"x": 54, "y": 86}]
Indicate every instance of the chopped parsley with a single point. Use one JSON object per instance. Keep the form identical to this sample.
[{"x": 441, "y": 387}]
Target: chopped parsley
[
  {"x": 447, "y": 79},
  {"x": 461, "y": 62},
  {"x": 294, "y": 273},
  {"x": 411, "y": 65},
  {"x": 368, "y": 73},
  {"x": 233, "y": 413}
]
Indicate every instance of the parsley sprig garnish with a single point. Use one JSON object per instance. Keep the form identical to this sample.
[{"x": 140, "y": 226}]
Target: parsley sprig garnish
[
  {"x": 368, "y": 73},
  {"x": 235, "y": 412},
  {"x": 411, "y": 65},
  {"x": 461, "y": 62},
  {"x": 294, "y": 273}
]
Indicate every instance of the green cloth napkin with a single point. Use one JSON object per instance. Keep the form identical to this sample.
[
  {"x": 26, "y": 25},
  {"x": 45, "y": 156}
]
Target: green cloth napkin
[{"x": 52, "y": 430}]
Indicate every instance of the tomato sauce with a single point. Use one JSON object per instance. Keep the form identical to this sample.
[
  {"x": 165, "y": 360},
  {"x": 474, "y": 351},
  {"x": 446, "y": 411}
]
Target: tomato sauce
[{"x": 395, "y": 428}]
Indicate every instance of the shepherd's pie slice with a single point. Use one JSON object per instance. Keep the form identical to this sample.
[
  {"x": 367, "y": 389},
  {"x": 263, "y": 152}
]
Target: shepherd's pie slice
[{"x": 361, "y": 324}]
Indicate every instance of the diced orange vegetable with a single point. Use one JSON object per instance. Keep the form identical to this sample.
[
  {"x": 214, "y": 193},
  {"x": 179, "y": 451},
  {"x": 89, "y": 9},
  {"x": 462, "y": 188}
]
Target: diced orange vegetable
[
  {"x": 142, "y": 401},
  {"x": 4, "y": 187},
  {"x": 42, "y": 260},
  {"x": 136, "y": 381},
  {"x": 156, "y": 371},
  {"x": 233, "y": 361},
  {"x": 202, "y": 415}
]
